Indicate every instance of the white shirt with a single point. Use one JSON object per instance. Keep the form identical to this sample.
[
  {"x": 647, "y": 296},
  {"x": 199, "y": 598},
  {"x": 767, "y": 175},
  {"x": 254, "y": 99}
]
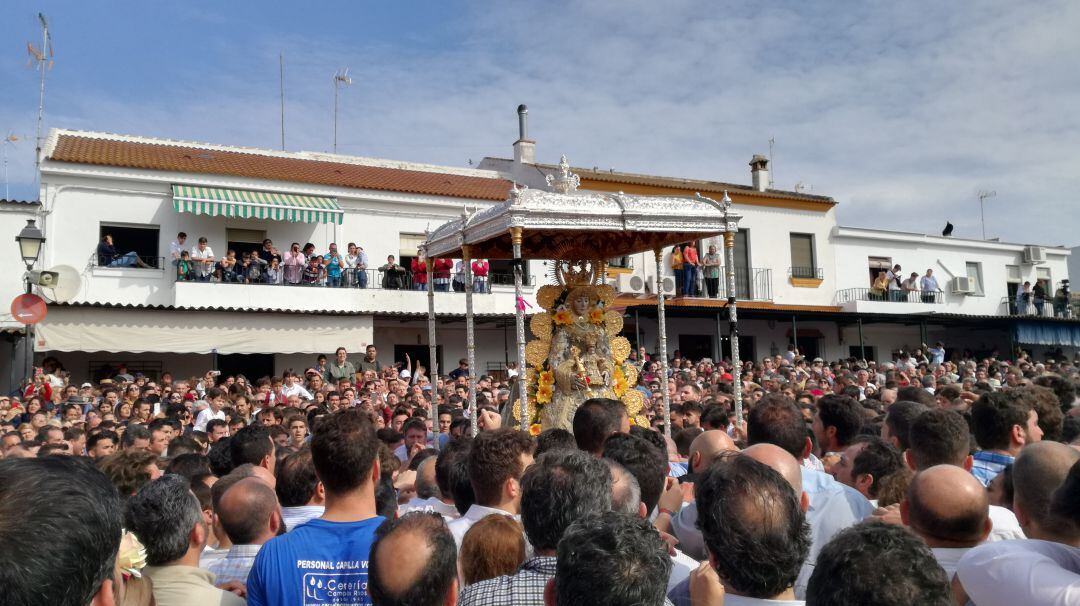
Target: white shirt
[
  {"x": 1006, "y": 527},
  {"x": 175, "y": 249},
  {"x": 205, "y": 416},
  {"x": 297, "y": 390},
  {"x": 949, "y": 557},
  {"x": 202, "y": 269},
  {"x": 295, "y": 516},
  {"x": 447, "y": 511},
  {"x": 475, "y": 513},
  {"x": 1039, "y": 573},
  {"x": 681, "y": 567},
  {"x": 929, "y": 284}
]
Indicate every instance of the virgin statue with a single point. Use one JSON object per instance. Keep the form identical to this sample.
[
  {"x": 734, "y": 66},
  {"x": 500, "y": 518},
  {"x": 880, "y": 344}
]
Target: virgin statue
[{"x": 578, "y": 353}]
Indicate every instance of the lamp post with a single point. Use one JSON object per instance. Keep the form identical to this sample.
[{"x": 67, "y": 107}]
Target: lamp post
[
  {"x": 733, "y": 320},
  {"x": 29, "y": 240}
]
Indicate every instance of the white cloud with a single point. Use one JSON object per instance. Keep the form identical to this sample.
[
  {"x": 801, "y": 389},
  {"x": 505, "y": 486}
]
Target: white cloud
[{"x": 900, "y": 111}]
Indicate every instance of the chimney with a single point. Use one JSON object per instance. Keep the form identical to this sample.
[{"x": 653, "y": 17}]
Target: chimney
[
  {"x": 524, "y": 148},
  {"x": 759, "y": 171}
]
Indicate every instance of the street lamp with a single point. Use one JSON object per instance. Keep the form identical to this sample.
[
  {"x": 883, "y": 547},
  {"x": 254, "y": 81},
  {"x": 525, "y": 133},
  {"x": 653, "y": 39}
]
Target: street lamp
[{"x": 30, "y": 240}]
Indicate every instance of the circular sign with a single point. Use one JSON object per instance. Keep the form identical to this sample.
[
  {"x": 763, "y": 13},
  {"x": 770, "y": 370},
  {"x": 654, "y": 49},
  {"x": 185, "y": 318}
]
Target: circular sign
[{"x": 28, "y": 309}]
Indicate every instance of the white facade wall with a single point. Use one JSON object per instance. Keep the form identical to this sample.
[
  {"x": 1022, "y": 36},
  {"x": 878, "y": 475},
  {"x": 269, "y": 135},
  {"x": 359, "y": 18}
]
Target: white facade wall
[{"x": 948, "y": 257}]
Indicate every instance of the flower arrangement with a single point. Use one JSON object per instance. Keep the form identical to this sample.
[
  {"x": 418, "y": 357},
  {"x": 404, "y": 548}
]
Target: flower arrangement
[
  {"x": 563, "y": 316},
  {"x": 619, "y": 383},
  {"x": 596, "y": 314}
]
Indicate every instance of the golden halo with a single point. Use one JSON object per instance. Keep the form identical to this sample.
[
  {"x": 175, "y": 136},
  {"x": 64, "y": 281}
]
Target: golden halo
[
  {"x": 540, "y": 325},
  {"x": 546, "y": 296},
  {"x": 634, "y": 401},
  {"x": 613, "y": 322},
  {"x": 620, "y": 349},
  {"x": 536, "y": 352},
  {"x": 631, "y": 374},
  {"x": 605, "y": 293}
]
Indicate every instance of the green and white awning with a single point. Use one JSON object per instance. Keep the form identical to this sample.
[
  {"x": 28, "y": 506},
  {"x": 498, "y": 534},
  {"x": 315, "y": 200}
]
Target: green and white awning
[{"x": 248, "y": 204}]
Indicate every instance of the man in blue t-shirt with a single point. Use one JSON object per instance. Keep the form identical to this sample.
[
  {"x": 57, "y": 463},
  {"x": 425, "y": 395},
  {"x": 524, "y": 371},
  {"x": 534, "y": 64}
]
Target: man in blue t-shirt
[
  {"x": 325, "y": 561},
  {"x": 333, "y": 262}
]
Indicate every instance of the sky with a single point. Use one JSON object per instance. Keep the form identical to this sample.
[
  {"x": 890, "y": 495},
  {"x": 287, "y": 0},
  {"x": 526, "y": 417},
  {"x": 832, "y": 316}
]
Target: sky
[{"x": 901, "y": 111}]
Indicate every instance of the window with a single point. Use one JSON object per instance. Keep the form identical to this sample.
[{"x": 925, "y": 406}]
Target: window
[
  {"x": 974, "y": 274},
  {"x": 1042, "y": 277},
  {"x": 877, "y": 265},
  {"x": 803, "y": 264},
  {"x": 1012, "y": 273},
  {"x": 142, "y": 240},
  {"x": 244, "y": 240}
]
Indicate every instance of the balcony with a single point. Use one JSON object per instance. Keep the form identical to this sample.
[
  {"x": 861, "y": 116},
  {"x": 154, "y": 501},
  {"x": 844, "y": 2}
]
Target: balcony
[
  {"x": 1049, "y": 309},
  {"x": 891, "y": 302},
  {"x": 368, "y": 291},
  {"x": 806, "y": 277},
  {"x": 751, "y": 284}
]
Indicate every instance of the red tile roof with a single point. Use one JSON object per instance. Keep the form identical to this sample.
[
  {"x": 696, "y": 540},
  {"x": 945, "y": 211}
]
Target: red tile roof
[{"x": 179, "y": 158}]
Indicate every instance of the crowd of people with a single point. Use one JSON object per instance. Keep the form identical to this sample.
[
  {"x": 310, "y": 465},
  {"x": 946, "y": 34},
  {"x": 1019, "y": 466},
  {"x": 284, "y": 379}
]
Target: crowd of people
[
  {"x": 934, "y": 478},
  {"x": 303, "y": 265}
]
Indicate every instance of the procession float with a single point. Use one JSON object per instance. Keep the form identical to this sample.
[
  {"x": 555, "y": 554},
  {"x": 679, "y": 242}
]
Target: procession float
[{"x": 576, "y": 351}]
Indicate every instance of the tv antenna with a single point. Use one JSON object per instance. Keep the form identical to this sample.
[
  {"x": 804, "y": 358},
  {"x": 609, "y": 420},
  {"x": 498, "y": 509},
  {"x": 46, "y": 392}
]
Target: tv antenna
[
  {"x": 772, "y": 166},
  {"x": 341, "y": 77},
  {"x": 10, "y": 139},
  {"x": 983, "y": 195},
  {"x": 43, "y": 58}
]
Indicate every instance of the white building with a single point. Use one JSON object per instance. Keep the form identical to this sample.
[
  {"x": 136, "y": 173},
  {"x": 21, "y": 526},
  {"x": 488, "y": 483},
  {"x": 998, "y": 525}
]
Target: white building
[
  {"x": 143, "y": 192},
  {"x": 800, "y": 277}
]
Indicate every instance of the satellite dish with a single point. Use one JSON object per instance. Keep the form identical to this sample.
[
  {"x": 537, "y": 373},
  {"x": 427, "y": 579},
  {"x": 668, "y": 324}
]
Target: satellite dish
[{"x": 67, "y": 285}]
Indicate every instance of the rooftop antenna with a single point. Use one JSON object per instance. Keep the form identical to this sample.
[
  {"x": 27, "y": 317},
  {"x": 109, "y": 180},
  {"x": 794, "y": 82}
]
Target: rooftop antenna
[
  {"x": 772, "y": 166},
  {"x": 44, "y": 59},
  {"x": 341, "y": 77},
  {"x": 983, "y": 195},
  {"x": 10, "y": 139},
  {"x": 281, "y": 80}
]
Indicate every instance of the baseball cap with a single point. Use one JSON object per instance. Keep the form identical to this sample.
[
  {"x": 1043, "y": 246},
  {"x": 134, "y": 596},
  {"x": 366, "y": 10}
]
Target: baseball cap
[{"x": 86, "y": 386}]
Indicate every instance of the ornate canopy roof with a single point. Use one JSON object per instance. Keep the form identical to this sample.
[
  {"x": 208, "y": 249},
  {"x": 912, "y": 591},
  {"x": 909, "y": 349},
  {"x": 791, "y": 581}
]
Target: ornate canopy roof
[{"x": 565, "y": 223}]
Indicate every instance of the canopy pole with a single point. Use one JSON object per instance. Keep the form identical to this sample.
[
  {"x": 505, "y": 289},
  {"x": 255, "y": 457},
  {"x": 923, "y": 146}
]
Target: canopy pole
[
  {"x": 862, "y": 346},
  {"x": 719, "y": 351},
  {"x": 433, "y": 363},
  {"x": 637, "y": 337},
  {"x": 794, "y": 332},
  {"x": 662, "y": 327},
  {"x": 470, "y": 336},
  {"x": 519, "y": 317},
  {"x": 733, "y": 322}
]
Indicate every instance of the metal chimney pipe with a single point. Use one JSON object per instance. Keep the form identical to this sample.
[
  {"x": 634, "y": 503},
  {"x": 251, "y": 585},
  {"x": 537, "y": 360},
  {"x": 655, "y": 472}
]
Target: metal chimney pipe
[{"x": 523, "y": 122}]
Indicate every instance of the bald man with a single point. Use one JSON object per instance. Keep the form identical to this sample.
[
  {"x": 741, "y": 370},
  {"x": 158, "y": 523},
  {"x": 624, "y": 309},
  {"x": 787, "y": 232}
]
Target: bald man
[
  {"x": 707, "y": 446},
  {"x": 705, "y": 449},
  {"x": 428, "y": 496},
  {"x": 248, "y": 512},
  {"x": 414, "y": 561},
  {"x": 950, "y": 510},
  {"x": 1038, "y": 471},
  {"x": 786, "y": 465}
]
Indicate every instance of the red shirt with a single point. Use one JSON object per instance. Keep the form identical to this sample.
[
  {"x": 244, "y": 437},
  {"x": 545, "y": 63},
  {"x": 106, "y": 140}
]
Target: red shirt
[
  {"x": 690, "y": 255},
  {"x": 419, "y": 272},
  {"x": 442, "y": 268},
  {"x": 480, "y": 268}
]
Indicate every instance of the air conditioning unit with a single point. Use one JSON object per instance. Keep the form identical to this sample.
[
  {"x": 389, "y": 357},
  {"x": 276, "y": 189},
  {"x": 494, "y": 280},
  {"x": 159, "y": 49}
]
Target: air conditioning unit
[
  {"x": 962, "y": 285},
  {"x": 1034, "y": 255},
  {"x": 669, "y": 286},
  {"x": 630, "y": 283}
]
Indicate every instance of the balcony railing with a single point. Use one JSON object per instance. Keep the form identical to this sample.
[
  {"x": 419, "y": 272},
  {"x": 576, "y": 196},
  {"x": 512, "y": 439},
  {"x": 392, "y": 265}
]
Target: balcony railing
[
  {"x": 809, "y": 273},
  {"x": 850, "y": 295},
  {"x": 751, "y": 284},
  {"x": 1045, "y": 308},
  {"x": 355, "y": 278}
]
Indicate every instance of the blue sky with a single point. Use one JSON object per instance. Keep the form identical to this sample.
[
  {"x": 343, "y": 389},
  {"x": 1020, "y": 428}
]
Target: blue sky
[{"x": 900, "y": 111}]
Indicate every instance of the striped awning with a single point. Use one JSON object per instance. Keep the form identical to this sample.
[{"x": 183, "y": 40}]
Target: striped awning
[{"x": 248, "y": 204}]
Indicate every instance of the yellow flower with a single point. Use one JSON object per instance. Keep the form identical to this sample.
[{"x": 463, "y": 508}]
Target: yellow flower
[
  {"x": 543, "y": 394},
  {"x": 596, "y": 316},
  {"x": 547, "y": 378},
  {"x": 562, "y": 316},
  {"x": 534, "y": 429}
]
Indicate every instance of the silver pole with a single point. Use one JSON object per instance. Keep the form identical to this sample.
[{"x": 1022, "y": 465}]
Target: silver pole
[
  {"x": 470, "y": 337},
  {"x": 733, "y": 320},
  {"x": 433, "y": 363},
  {"x": 519, "y": 317},
  {"x": 43, "y": 66},
  {"x": 662, "y": 327}
]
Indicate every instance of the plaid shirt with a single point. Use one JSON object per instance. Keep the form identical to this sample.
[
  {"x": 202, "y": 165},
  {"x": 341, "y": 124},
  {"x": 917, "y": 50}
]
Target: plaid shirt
[
  {"x": 987, "y": 465},
  {"x": 524, "y": 588},
  {"x": 236, "y": 564}
]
